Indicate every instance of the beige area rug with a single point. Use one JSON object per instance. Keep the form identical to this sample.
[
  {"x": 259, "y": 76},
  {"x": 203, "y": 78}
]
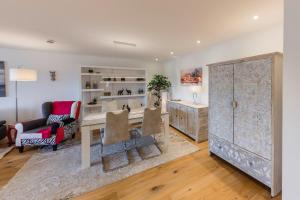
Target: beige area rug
[
  {"x": 57, "y": 175},
  {"x": 4, "y": 148}
]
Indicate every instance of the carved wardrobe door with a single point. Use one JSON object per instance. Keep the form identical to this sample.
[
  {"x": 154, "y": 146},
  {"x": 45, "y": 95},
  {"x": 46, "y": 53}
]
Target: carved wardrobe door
[
  {"x": 221, "y": 97},
  {"x": 253, "y": 114}
]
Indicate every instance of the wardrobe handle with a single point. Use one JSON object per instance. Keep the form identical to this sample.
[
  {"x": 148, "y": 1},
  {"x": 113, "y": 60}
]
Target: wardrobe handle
[{"x": 234, "y": 104}]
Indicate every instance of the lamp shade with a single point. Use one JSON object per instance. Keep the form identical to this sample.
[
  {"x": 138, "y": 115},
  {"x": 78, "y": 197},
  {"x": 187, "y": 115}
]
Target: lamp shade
[
  {"x": 21, "y": 74},
  {"x": 196, "y": 89}
]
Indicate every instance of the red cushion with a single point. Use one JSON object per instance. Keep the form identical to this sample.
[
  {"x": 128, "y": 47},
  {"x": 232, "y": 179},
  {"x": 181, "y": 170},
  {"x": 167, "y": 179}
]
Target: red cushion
[
  {"x": 59, "y": 135},
  {"x": 46, "y": 133},
  {"x": 61, "y": 107}
]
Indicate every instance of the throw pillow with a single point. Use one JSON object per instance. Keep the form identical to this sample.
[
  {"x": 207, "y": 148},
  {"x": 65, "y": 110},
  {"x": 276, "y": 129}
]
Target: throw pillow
[{"x": 57, "y": 119}]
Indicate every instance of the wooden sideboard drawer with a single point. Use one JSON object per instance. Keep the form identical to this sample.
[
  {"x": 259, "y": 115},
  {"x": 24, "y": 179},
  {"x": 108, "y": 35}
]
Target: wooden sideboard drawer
[{"x": 252, "y": 164}]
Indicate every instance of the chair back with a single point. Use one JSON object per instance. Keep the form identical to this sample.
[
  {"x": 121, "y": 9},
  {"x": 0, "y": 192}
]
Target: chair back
[
  {"x": 71, "y": 108},
  {"x": 116, "y": 129},
  {"x": 152, "y": 121}
]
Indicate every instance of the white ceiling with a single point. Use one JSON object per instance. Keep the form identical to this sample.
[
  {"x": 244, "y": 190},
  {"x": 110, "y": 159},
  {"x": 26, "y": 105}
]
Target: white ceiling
[{"x": 155, "y": 26}]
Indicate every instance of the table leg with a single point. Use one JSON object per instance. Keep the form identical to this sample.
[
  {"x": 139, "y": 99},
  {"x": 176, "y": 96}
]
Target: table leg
[
  {"x": 166, "y": 132},
  {"x": 85, "y": 147}
]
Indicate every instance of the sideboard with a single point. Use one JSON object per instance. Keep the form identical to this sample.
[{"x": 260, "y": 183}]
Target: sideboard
[{"x": 191, "y": 119}]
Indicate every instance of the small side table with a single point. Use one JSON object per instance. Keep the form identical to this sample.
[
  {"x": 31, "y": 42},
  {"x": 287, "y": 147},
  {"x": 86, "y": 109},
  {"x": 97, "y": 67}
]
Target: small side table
[{"x": 10, "y": 131}]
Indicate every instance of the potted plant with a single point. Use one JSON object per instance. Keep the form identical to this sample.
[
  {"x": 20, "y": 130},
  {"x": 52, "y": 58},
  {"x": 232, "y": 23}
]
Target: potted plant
[{"x": 158, "y": 84}]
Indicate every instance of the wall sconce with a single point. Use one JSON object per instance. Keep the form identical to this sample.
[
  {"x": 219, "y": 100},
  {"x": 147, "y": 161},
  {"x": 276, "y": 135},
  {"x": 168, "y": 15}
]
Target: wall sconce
[{"x": 53, "y": 75}]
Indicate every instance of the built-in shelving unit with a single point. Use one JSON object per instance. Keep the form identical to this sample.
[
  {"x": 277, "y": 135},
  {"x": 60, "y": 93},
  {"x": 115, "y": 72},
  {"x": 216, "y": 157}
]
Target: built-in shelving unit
[
  {"x": 92, "y": 90},
  {"x": 122, "y": 96},
  {"x": 102, "y": 83}
]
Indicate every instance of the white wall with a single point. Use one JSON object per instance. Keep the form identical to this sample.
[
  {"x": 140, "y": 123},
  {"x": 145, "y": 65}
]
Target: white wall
[
  {"x": 67, "y": 85},
  {"x": 263, "y": 41},
  {"x": 291, "y": 101}
]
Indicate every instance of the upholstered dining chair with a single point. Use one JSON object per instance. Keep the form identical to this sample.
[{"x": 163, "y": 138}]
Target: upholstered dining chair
[
  {"x": 116, "y": 129},
  {"x": 151, "y": 124}
]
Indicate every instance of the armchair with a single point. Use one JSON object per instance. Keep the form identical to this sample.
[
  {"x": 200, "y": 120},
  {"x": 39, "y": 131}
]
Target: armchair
[
  {"x": 2, "y": 129},
  {"x": 60, "y": 121}
]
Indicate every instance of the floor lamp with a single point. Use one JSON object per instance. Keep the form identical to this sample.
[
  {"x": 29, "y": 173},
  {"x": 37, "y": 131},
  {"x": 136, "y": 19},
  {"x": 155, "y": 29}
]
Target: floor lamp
[{"x": 20, "y": 75}]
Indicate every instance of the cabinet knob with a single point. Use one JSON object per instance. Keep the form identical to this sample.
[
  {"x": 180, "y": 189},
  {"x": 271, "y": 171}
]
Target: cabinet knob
[
  {"x": 250, "y": 163},
  {"x": 220, "y": 147},
  {"x": 234, "y": 104}
]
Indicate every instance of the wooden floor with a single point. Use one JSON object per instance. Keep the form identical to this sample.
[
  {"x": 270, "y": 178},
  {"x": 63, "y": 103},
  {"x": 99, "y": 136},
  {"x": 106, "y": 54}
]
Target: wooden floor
[{"x": 195, "y": 176}]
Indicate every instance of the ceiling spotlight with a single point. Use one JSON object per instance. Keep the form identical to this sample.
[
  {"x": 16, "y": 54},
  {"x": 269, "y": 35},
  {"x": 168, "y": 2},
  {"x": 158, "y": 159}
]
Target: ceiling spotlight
[
  {"x": 255, "y": 17},
  {"x": 172, "y": 53},
  {"x": 198, "y": 41},
  {"x": 156, "y": 59},
  {"x": 51, "y": 41}
]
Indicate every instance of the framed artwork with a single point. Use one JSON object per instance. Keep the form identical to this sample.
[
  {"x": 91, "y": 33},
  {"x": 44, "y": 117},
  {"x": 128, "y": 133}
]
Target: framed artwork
[
  {"x": 2, "y": 80},
  {"x": 191, "y": 76}
]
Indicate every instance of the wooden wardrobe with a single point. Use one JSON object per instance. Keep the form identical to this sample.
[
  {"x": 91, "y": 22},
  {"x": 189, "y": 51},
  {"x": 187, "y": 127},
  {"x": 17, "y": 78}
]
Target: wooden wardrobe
[{"x": 245, "y": 116}]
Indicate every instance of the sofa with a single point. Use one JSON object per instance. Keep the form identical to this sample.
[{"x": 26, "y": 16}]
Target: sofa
[
  {"x": 2, "y": 129},
  {"x": 60, "y": 122}
]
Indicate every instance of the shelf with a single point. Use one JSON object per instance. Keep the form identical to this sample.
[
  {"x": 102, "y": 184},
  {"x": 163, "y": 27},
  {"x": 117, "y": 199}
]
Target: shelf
[
  {"x": 120, "y": 82},
  {"x": 91, "y": 74},
  {"x": 126, "y": 77},
  {"x": 92, "y": 90},
  {"x": 122, "y": 96},
  {"x": 92, "y": 106}
]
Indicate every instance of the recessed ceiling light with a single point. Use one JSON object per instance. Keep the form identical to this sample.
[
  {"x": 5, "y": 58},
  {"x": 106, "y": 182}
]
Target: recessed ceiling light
[
  {"x": 124, "y": 43},
  {"x": 198, "y": 41},
  {"x": 51, "y": 41},
  {"x": 172, "y": 53},
  {"x": 255, "y": 17},
  {"x": 156, "y": 59}
]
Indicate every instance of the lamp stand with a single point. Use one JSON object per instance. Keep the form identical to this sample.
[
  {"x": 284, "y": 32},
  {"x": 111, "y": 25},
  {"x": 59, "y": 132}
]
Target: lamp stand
[
  {"x": 16, "y": 90},
  {"x": 195, "y": 96}
]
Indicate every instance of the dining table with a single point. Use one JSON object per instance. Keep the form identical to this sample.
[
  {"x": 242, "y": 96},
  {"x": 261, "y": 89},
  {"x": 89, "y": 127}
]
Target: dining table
[{"x": 96, "y": 121}]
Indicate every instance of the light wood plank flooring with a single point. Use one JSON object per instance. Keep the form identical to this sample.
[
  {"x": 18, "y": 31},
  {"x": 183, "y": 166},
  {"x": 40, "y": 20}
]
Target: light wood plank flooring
[{"x": 195, "y": 176}]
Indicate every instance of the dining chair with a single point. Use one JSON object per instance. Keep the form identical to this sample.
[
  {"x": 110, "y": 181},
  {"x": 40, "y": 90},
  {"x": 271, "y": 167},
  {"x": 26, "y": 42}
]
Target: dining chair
[
  {"x": 116, "y": 130},
  {"x": 151, "y": 124}
]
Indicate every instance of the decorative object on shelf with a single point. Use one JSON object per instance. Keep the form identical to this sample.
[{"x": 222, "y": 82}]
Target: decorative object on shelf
[
  {"x": 120, "y": 92},
  {"x": 95, "y": 85},
  {"x": 115, "y": 79},
  {"x": 20, "y": 75},
  {"x": 88, "y": 85},
  {"x": 128, "y": 91},
  {"x": 2, "y": 80},
  {"x": 107, "y": 93},
  {"x": 141, "y": 91},
  {"x": 128, "y": 108},
  {"x": 106, "y": 79},
  {"x": 122, "y": 79},
  {"x": 191, "y": 76},
  {"x": 95, "y": 100},
  {"x": 156, "y": 85},
  {"x": 91, "y": 71},
  {"x": 140, "y": 79}
]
